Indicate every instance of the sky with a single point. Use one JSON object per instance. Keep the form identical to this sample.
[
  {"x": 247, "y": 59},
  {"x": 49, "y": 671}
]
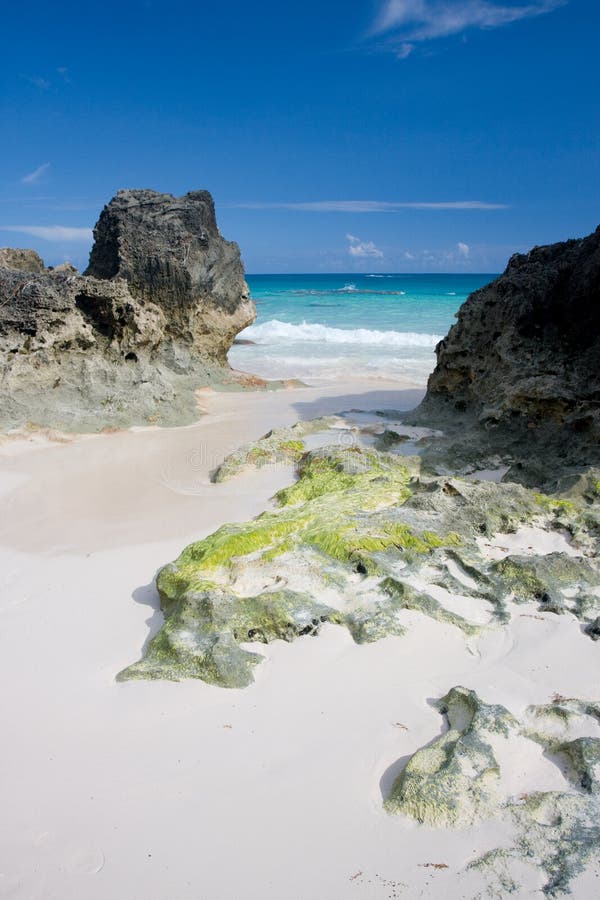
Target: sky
[{"x": 338, "y": 136}]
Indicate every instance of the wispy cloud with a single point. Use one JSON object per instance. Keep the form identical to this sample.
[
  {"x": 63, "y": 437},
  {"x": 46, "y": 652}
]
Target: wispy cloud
[
  {"x": 35, "y": 176},
  {"x": 37, "y": 81},
  {"x": 362, "y": 249},
  {"x": 455, "y": 258},
  {"x": 54, "y": 233},
  {"x": 410, "y": 22},
  {"x": 371, "y": 206}
]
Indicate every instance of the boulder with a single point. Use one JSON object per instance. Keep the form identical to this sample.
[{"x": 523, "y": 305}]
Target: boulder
[
  {"x": 522, "y": 363},
  {"x": 130, "y": 341},
  {"x": 170, "y": 253}
]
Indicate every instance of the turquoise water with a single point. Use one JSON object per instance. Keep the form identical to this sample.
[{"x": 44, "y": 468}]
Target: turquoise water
[{"x": 318, "y": 327}]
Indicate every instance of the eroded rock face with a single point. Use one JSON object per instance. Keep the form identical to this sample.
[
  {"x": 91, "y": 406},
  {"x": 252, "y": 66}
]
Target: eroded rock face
[
  {"x": 128, "y": 342},
  {"x": 522, "y": 364},
  {"x": 170, "y": 253}
]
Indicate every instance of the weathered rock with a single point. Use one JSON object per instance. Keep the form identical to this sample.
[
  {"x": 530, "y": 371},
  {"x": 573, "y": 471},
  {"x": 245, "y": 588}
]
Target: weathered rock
[
  {"x": 130, "y": 341},
  {"x": 205, "y": 627},
  {"x": 170, "y": 253},
  {"x": 458, "y": 780},
  {"x": 20, "y": 260},
  {"x": 454, "y": 780},
  {"x": 359, "y": 539},
  {"x": 281, "y": 445},
  {"x": 519, "y": 373}
]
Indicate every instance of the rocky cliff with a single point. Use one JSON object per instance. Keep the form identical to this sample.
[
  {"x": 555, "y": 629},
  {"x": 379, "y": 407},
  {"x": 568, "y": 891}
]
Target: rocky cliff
[
  {"x": 129, "y": 341},
  {"x": 520, "y": 370}
]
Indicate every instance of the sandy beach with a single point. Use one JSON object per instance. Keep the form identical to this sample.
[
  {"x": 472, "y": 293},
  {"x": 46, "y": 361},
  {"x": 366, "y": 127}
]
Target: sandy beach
[
  {"x": 160, "y": 790},
  {"x": 300, "y": 451}
]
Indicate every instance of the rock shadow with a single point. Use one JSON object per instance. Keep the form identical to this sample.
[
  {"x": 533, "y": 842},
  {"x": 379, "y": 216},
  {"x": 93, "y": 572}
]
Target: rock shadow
[
  {"x": 147, "y": 595},
  {"x": 388, "y": 779},
  {"x": 401, "y": 400}
]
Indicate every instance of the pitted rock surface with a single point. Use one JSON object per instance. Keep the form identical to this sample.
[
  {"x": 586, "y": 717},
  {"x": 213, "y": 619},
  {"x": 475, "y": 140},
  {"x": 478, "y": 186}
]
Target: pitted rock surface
[{"x": 128, "y": 342}]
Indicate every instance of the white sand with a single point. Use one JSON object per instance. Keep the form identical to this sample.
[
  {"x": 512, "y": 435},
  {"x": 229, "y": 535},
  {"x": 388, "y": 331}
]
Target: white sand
[{"x": 162, "y": 790}]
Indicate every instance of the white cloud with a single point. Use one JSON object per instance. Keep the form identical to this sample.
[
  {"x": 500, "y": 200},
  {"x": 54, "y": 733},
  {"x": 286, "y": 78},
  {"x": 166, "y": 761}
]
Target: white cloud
[
  {"x": 408, "y": 255},
  {"x": 363, "y": 249},
  {"x": 34, "y": 176},
  {"x": 414, "y": 21},
  {"x": 372, "y": 206},
  {"x": 463, "y": 250},
  {"x": 54, "y": 233}
]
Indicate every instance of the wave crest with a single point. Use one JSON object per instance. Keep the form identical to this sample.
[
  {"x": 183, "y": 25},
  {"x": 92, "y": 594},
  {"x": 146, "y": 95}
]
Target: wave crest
[{"x": 277, "y": 332}]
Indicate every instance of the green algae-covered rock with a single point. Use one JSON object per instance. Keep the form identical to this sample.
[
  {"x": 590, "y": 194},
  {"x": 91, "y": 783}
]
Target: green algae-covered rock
[
  {"x": 456, "y": 780},
  {"x": 358, "y": 539},
  {"x": 407, "y": 598},
  {"x": 389, "y": 439},
  {"x": 544, "y": 578},
  {"x": 203, "y": 631},
  {"x": 453, "y": 781},
  {"x": 281, "y": 445},
  {"x": 368, "y": 624}
]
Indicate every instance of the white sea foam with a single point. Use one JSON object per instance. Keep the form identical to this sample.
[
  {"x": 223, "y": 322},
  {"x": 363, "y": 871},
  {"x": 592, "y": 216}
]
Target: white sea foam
[{"x": 277, "y": 332}]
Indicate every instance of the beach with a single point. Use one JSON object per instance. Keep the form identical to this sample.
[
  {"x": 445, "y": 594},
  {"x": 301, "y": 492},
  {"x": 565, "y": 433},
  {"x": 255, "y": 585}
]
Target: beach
[
  {"x": 300, "y": 451},
  {"x": 162, "y": 789}
]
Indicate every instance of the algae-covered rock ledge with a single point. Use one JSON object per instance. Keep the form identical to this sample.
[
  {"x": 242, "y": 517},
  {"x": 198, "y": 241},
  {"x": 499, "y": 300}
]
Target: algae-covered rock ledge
[{"x": 360, "y": 538}]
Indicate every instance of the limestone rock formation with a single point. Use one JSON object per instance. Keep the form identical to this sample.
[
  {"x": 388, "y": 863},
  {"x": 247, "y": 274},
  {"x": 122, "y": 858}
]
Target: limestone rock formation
[
  {"x": 522, "y": 364},
  {"x": 454, "y": 780},
  {"x": 20, "y": 260},
  {"x": 364, "y": 540},
  {"x": 460, "y": 779},
  {"x": 170, "y": 253},
  {"x": 129, "y": 341}
]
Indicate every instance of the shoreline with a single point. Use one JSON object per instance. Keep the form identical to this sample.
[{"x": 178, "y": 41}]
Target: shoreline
[
  {"x": 147, "y": 482},
  {"x": 145, "y": 788}
]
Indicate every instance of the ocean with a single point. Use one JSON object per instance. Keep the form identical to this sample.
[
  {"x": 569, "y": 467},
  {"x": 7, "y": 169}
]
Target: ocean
[{"x": 316, "y": 327}]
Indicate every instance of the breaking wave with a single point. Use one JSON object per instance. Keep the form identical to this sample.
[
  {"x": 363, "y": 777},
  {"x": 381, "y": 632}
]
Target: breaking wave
[{"x": 278, "y": 332}]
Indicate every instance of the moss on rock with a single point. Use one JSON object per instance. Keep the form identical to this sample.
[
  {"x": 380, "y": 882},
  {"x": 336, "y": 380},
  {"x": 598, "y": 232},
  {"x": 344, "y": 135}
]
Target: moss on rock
[
  {"x": 282, "y": 445},
  {"x": 203, "y": 631},
  {"x": 355, "y": 514},
  {"x": 456, "y": 780},
  {"x": 453, "y": 781}
]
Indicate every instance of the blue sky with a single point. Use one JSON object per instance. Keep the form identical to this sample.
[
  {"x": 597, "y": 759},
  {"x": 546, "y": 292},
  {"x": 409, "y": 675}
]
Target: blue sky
[{"x": 400, "y": 135}]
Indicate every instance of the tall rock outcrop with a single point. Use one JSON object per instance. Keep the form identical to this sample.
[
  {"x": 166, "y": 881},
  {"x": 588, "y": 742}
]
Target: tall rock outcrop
[
  {"x": 522, "y": 364},
  {"x": 129, "y": 341}
]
